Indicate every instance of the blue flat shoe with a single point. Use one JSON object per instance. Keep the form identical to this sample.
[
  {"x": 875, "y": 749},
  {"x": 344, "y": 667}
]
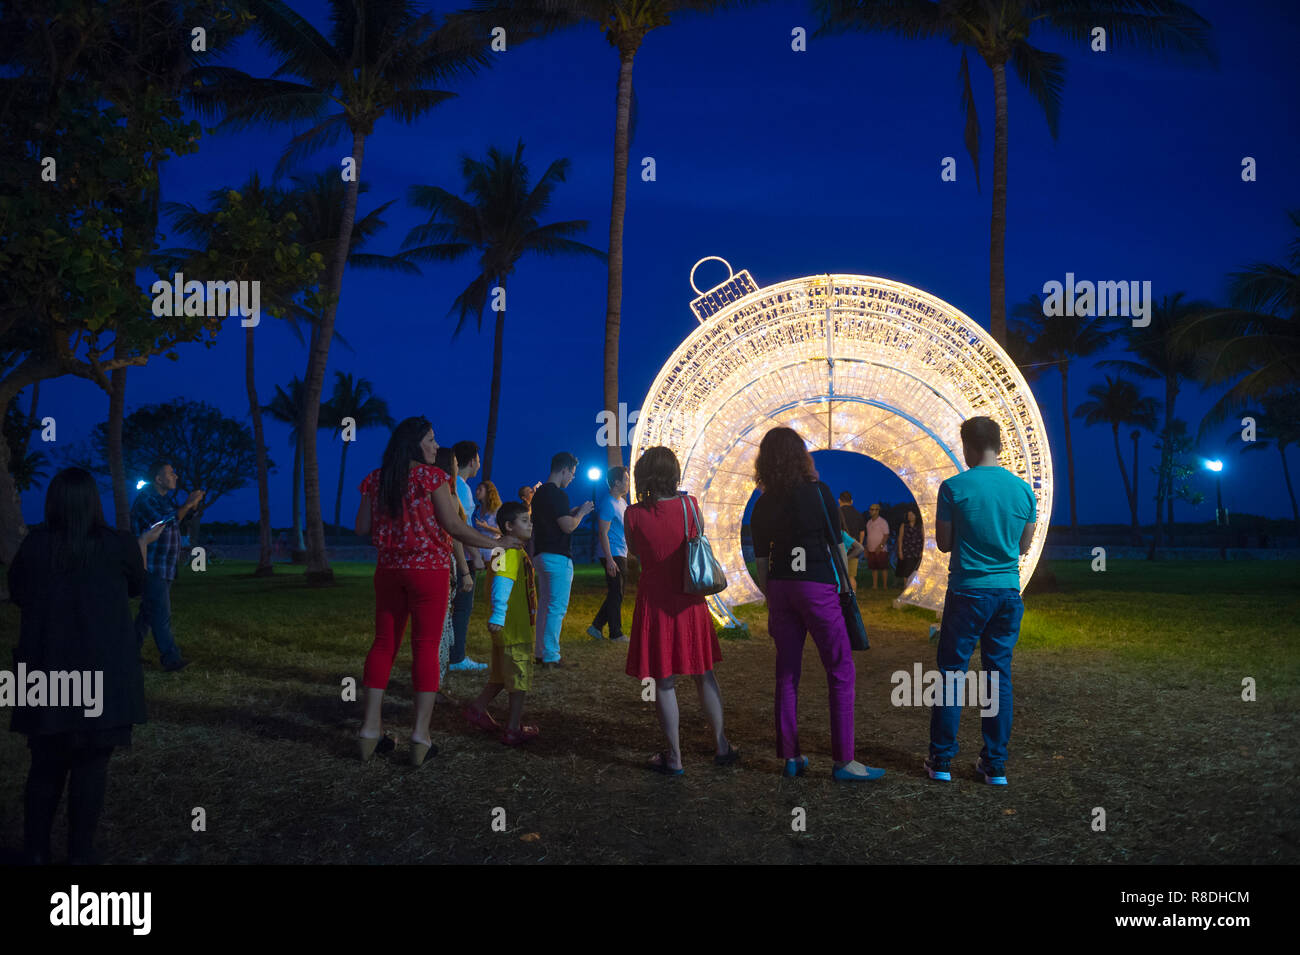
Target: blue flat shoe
[
  {"x": 659, "y": 763},
  {"x": 840, "y": 774},
  {"x": 795, "y": 767}
]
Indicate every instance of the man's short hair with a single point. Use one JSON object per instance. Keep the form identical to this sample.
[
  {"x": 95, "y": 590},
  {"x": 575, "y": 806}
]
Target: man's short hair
[
  {"x": 563, "y": 462},
  {"x": 465, "y": 451},
  {"x": 155, "y": 468},
  {"x": 509, "y": 512},
  {"x": 846, "y": 497},
  {"x": 980, "y": 434},
  {"x": 615, "y": 475}
]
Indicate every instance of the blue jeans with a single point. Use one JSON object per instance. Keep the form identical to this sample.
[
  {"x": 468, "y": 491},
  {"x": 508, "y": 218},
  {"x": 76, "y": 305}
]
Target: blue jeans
[
  {"x": 991, "y": 618},
  {"x": 554, "y": 581},
  {"x": 156, "y": 615},
  {"x": 461, "y": 607}
]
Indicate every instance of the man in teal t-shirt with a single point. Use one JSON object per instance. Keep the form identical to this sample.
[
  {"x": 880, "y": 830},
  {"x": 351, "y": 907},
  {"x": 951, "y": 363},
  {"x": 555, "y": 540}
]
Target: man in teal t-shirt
[{"x": 985, "y": 519}]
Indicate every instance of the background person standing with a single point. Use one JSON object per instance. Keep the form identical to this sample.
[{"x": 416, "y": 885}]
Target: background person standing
[
  {"x": 611, "y": 543},
  {"x": 554, "y": 521},
  {"x": 153, "y": 504},
  {"x": 854, "y": 525},
  {"x": 467, "y": 464},
  {"x": 877, "y": 545},
  {"x": 911, "y": 543}
]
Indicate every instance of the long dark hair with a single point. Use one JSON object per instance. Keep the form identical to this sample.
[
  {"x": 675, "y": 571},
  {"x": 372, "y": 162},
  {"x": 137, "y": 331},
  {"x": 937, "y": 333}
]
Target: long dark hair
[
  {"x": 783, "y": 461},
  {"x": 657, "y": 474},
  {"x": 74, "y": 517},
  {"x": 403, "y": 448}
]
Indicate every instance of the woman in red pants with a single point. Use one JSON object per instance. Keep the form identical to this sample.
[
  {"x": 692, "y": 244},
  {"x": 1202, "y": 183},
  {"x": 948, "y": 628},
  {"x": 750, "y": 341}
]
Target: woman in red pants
[{"x": 408, "y": 510}]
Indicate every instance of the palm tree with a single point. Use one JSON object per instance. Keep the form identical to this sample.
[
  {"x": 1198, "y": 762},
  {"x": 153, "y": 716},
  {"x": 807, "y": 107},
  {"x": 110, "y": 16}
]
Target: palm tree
[
  {"x": 1256, "y": 342},
  {"x": 381, "y": 58},
  {"x": 999, "y": 32},
  {"x": 498, "y": 221},
  {"x": 1279, "y": 417},
  {"x": 625, "y": 24},
  {"x": 1058, "y": 342},
  {"x": 355, "y": 400},
  {"x": 211, "y": 227},
  {"x": 1117, "y": 403},
  {"x": 1159, "y": 356}
]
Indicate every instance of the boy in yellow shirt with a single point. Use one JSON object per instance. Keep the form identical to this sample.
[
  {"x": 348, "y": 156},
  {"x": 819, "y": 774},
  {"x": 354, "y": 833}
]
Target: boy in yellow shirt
[{"x": 511, "y": 622}]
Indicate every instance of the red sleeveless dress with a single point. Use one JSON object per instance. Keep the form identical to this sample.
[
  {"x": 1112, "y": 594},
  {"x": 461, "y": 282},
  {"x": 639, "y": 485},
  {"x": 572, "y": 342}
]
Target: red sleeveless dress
[{"x": 672, "y": 631}]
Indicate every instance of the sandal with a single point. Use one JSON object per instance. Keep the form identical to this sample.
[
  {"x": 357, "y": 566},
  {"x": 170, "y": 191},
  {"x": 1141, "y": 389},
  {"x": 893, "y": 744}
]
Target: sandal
[
  {"x": 726, "y": 759},
  {"x": 659, "y": 763},
  {"x": 526, "y": 733},
  {"x": 481, "y": 718}
]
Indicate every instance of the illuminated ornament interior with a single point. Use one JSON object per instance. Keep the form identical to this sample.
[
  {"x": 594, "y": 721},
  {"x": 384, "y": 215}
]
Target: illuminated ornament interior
[{"x": 852, "y": 363}]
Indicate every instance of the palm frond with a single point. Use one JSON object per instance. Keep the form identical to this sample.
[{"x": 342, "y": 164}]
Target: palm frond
[{"x": 1043, "y": 74}]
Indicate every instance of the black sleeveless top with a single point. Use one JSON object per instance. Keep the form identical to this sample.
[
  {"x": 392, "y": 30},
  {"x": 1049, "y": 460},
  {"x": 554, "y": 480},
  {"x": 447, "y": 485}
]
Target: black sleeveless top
[{"x": 797, "y": 518}]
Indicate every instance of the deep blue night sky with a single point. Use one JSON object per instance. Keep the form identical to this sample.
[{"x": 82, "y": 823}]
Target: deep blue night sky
[{"x": 786, "y": 164}]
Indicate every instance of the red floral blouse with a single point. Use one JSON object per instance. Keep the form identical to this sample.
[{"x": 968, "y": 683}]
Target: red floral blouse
[{"x": 415, "y": 540}]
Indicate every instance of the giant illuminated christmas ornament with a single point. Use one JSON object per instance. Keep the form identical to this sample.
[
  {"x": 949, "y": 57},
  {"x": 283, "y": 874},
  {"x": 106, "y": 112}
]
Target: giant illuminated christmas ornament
[{"x": 852, "y": 363}]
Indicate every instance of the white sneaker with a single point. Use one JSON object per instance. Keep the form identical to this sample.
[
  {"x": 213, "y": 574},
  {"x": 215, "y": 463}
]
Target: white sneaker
[
  {"x": 467, "y": 665},
  {"x": 595, "y": 634}
]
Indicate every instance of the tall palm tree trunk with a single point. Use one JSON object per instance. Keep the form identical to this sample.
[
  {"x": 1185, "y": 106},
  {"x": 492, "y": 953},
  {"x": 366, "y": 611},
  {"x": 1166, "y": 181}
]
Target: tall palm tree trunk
[
  {"x": 116, "y": 465},
  {"x": 1069, "y": 448},
  {"x": 264, "y": 566},
  {"x": 997, "y": 241},
  {"x": 1171, "y": 395},
  {"x": 1133, "y": 498},
  {"x": 494, "y": 398},
  {"x": 318, "y": 568},
  {"x": 297, "y": 549},
  {"x": 1286, "y": 473},
  {"x": 618, "y": 211},
  {"x": 338, "y": 496},
  {"x": 1128, "y": 491}
]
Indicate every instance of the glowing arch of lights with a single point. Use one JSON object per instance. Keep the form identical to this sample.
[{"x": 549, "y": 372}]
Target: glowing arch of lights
[{"x": 852, "y": 363}]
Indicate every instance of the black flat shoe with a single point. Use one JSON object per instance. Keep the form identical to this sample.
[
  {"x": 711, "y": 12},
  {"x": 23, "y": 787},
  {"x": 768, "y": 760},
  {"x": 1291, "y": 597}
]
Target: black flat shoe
[{"x": 732, "y": 755}]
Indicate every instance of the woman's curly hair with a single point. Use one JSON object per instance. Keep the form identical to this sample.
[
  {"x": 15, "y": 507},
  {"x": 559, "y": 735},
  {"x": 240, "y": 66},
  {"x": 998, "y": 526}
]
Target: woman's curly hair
[{"x": 783, "y": 461}]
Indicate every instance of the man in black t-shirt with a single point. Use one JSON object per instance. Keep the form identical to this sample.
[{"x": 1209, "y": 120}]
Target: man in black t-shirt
[
  {"x": 554, "y": 522},
  {"x": 855, "y": 525}
]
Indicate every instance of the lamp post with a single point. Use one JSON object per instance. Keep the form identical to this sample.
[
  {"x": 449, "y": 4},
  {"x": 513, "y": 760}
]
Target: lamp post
[
  {"x": 1220, "y": 515},
  {"x": 593, "y": 475}
]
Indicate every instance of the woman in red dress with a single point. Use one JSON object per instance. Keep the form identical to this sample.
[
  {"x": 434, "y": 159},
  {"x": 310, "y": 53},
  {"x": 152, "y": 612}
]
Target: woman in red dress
[
  {"x": 407, "y": 508},
  {"x": 672, "y": 632}
]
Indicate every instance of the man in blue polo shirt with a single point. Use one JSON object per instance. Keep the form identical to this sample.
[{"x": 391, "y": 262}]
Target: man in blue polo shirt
[
  {"x": 611, "y": 548},
  {"x": 984, "y": 520},
  {"x": 153, "y": 504}
]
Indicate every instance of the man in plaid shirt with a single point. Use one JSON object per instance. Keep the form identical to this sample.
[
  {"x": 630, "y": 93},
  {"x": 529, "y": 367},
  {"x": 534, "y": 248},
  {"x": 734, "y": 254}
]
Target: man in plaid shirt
[{"x": 153, "y": 504}]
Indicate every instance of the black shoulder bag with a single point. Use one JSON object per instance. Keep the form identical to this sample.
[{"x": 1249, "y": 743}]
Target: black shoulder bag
[{"x": 848, "y": 599}]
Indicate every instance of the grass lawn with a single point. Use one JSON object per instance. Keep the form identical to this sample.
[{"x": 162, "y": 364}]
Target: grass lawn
[{"x": 1128, "y": 697}]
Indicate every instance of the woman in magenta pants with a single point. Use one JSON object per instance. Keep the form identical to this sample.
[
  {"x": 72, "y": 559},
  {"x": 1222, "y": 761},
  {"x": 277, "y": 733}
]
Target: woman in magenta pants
[{"x": 794, "y": 525}]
